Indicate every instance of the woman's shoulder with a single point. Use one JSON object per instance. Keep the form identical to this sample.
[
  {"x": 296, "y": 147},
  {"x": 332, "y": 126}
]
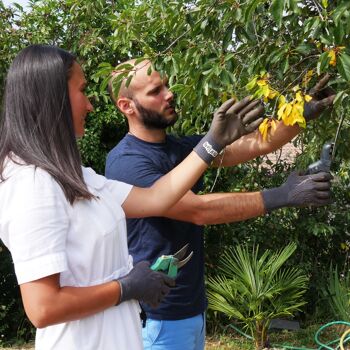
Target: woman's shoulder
[{"x": 28, "y": 177}]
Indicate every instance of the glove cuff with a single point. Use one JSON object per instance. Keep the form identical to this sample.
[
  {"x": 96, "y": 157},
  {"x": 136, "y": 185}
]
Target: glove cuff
[
  {"x": 208, "y": 149},
  {"x": 124, "y": 287},
  {"x": 274, "y": 198}
]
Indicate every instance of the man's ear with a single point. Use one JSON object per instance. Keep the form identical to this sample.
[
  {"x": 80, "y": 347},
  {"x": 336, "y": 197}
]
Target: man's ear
[{"x": 125, "y": 105}]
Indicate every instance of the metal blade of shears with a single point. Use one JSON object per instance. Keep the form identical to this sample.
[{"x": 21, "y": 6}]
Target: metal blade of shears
[
  {"x": 184, "y": 261},
  {"x": 336, "y": 136},
  {"x": 181, "y": 253}
]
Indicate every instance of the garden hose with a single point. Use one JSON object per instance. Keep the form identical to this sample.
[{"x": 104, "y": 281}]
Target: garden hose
[
  {"x": 320, "y": 330},
  {"x": 340, "y": 341}
]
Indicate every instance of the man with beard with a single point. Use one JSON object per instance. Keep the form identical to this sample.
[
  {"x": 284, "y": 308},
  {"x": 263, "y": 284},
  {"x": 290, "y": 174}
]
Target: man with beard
[{"x": 147, "y": 152}]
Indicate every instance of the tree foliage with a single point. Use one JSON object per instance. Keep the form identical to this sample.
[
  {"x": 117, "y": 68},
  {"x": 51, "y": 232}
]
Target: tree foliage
[{"x": 211, "y": 50}]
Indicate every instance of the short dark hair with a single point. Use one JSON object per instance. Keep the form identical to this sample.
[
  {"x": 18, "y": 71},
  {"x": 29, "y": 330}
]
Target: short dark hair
[{"x": 36, "y": 123}]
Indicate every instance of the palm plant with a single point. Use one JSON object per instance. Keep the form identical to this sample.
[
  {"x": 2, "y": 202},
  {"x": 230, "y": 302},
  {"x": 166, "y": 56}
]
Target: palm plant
[
  {"x": 255, "y": 290},
  {"x": 338, "y": 293}
]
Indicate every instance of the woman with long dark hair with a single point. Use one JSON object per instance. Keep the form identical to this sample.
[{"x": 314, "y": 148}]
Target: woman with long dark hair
[{"x": 64, "y": 224}]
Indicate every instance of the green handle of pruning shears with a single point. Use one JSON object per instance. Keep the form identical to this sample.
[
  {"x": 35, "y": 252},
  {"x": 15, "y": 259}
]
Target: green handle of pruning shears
[{"x": 167, "y": 264}]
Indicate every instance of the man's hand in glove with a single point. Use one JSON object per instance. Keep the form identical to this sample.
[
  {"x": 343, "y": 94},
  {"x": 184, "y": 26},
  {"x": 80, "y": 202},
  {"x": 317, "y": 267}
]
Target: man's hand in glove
[
  {"x": 145, "y": 285},
  {"x": 231, "y": 121},
  {"x": 322, "y": 98},
  {"x": 298, "y": 191}
]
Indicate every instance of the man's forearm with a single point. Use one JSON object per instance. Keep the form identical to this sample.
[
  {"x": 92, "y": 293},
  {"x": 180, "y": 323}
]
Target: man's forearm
[
  {"x": 217, "y": 208},
  {"x": 252, "y": 145}
]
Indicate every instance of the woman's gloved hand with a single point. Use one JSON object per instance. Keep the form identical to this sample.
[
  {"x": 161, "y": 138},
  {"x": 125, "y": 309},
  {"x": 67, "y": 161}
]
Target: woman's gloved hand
[
  {"x": 231, "y": 121},
  {"x": 299, "y": 190},
  {"x": 144, "y": 284}
]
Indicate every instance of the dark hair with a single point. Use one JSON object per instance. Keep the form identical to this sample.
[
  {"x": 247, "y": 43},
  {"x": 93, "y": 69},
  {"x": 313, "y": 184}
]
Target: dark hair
[{"x": 36, "y": 123}]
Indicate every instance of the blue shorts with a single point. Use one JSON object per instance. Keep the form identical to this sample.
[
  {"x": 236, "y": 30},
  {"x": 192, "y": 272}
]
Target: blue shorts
[{"x": 186, "y": 334}]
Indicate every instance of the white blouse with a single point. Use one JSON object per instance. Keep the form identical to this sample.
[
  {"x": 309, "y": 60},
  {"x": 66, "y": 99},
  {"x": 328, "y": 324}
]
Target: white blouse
[{"x": 85, "y": 243}]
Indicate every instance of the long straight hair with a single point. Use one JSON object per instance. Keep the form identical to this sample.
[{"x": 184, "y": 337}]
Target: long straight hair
[{"x": 36, "y": 123}]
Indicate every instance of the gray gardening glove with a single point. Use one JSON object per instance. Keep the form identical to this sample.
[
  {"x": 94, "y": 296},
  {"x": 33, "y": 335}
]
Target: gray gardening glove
[
  {"x": 145, "y": 285},
  {"x": 322, "y": 98},
  {"x": 231, "y": 121},
  {"x": 299, "y": 190}
]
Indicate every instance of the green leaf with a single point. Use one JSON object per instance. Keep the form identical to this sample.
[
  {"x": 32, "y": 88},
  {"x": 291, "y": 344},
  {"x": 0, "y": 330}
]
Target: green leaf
[
  {"x": 250, "y": 10},
  {"x": 103, "y": 85},
  {"x": 105, "y": 65},
  {"x": 125, "y": 66},
  {"x": 178, "y": 88},
  {"x": 323, "y": 62},
  {"x": 207, "y": 71},
  {"x": 326, "y": 39},
  {"x": 225, "y": 77},
  {"x": 285, "y": 65},
  {"x": 339, "y": 33},
  {"x": 339, "y": 12},
  {"x": 139, "y": 60},
  {"x": 312, "y": 26},
  {"x": 343, "y": 65},
  {"x": 204, "y": 24},
  {"x": 227, "y": 37},
  {"x": 206, "y": 88},
  {"x": 128, "y": 81},
  {"x": 251, "y": 84},
  {"x": 19, "y": 7},
  {"x": 103, "y": 72},
  {"x": 340, "y": 96},
  {"x": 304, "y": 48},
  {"x": 116, "y": 87},
  {"x": 277, "y": 8}
]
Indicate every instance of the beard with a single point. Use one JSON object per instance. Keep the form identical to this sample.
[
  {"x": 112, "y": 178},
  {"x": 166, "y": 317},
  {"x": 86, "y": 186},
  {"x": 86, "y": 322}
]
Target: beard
[{"x": 155, "y": 120}]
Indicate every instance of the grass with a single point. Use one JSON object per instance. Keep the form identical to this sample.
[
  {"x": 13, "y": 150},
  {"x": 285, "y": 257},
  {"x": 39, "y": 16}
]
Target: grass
[
  {"x": 304, "y": 338},
  {"x": 231, "y": 340}
]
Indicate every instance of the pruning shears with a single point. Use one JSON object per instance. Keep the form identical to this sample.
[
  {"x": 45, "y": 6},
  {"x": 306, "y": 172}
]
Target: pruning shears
[
  {"x": 327, "y": 155},
  {"x": 169, "y": 264},
  {"x": 325, "y": 161}
]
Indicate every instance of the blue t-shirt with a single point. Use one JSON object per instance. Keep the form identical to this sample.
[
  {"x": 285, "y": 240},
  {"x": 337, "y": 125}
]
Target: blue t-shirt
[{"x": 141, "y": 163}]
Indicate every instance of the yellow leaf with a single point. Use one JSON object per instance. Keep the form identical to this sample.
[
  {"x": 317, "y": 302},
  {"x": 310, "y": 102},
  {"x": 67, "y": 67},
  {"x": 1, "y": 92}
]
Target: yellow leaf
[
  {"x": 263, "y": 128},
  {"x": 333, "y": 57},
  {"x": 307, "y": 77},
  {"x": 308, "y": 98},
  {"x": 299, "y": 97},
  {"x": 344, "y": 246},
  {"x": 287, "y": 116},
  {"x": 281, "y": 101},
  {"x": 266, "y": 90},
  {"x": 251, "y": 84},
  {"x": 325, "y": 3},
  {"x": 296, "y": 88},
  {"x": 224, "y": 97},
  {"x": 261, "y": 82},
  {"x": 281, "y": 110},
  {"x": 273, "y": 124},
  {"x": 284, "y": 112},
  {"x": 296, "y": 115},
  {"x": 288, "y": 119},
  {"x": 272, "y": 94}
]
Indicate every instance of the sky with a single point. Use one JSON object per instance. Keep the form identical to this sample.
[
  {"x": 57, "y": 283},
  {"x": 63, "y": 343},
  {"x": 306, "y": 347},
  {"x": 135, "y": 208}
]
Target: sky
[{"x": 23, "y": 3}]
